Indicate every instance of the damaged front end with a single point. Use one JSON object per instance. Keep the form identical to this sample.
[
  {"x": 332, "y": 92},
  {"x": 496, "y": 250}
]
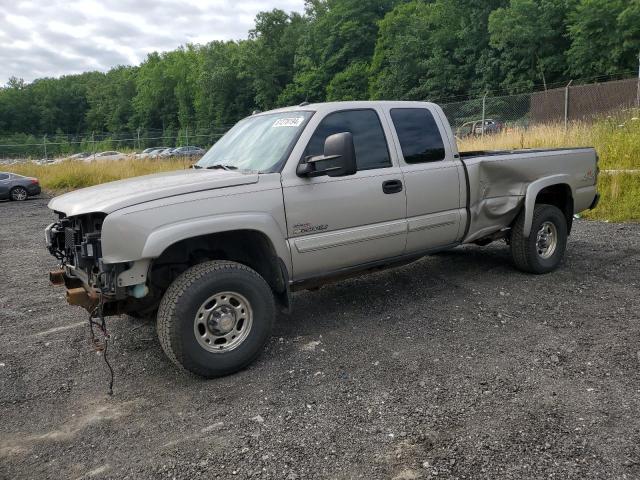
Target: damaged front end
[{"x": 76, "y": 243}]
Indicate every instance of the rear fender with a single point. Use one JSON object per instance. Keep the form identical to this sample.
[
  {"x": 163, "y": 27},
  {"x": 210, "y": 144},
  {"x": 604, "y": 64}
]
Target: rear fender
[{"x": 532, "y": 193}]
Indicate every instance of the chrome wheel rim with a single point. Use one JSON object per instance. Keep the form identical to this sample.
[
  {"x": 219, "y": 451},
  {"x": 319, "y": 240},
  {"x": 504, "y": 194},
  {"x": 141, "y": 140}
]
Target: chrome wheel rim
[
  {"x": 223, "y": 322},
  {"x": 19, "y": 194},
  {"x": 546, "y": 240}
]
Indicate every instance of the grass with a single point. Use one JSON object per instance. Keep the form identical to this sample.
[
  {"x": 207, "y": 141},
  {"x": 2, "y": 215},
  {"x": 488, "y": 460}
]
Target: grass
[
  {"x": 617, "y": 141},
  {"x": 71, "y": 175}
]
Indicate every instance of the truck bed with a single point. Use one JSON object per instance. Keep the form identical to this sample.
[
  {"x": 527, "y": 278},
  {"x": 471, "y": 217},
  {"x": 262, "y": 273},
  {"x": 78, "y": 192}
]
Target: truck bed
[{"x": 497, "y": 182}]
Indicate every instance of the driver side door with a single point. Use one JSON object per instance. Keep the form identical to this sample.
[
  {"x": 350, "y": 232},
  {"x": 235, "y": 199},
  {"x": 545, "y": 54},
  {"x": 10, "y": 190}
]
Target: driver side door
[{"x": 335, "y": 223}]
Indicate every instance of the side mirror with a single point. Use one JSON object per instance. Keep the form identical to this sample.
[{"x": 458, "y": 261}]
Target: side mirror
[{"x": 338, "y": 160}]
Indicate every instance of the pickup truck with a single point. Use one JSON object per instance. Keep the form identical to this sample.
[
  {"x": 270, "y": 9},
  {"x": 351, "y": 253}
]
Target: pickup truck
[{"x": 297, "y": 197}]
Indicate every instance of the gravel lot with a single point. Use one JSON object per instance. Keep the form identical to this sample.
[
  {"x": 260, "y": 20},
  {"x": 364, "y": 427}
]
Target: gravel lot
[{"x": 456, "y": 366}]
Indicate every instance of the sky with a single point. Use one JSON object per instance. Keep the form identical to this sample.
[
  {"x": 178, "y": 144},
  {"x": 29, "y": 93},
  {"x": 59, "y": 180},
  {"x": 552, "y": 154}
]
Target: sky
[{"x": 49, "y": 38}]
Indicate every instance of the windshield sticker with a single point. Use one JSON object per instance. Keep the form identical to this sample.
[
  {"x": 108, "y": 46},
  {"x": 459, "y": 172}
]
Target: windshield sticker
[{"x": 288, "y": 122}]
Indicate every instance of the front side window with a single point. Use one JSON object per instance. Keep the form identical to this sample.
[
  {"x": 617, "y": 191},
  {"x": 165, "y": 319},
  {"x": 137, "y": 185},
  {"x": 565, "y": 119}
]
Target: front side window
[
  {"x": 258, "y": 143},
  {"x": 368, "y": 137},
  {"x": 418, "y": 133}
]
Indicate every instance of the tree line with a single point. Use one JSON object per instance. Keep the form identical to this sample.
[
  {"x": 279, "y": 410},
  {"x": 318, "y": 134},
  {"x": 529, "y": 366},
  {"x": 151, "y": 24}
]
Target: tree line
[{"x": 339, "y": 50}]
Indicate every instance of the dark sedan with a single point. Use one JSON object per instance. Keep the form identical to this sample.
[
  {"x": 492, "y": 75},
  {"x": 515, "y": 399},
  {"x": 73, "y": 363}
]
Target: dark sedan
[{"x": 16, "y": 187}]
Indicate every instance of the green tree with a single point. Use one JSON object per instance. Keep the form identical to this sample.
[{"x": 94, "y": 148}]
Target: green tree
[
  {"x": 432, "y": 50},
  {"x": 269, "y": 62},
  {"x": 605, "y": 37},
  {"x": 339, "y": 33},
  {"x": 531, "y": 38}
]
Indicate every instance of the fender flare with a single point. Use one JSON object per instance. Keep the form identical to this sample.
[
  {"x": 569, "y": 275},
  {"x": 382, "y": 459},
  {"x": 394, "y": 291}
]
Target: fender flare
[
  {"x": 165, "y": 236},
  {"x": 532, "y": 192}
]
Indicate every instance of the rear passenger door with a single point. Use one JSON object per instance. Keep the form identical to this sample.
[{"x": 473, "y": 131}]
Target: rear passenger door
[
  {"x": 432, "y": 178},
  {"x": 340, "y": 222}
]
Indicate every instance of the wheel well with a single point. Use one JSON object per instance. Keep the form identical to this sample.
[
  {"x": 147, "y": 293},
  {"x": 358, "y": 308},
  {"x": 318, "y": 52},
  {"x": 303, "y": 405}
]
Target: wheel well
[
  {"x": 559, "y": 196},
  {"x": 249, "y": 247}
]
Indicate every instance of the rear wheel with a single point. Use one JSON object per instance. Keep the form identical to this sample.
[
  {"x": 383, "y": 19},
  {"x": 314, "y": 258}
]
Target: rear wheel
[
  {"x": 543, "y": 250},
  {"x": 215, "y": 318},
  {"x": 19, "y": 194}
]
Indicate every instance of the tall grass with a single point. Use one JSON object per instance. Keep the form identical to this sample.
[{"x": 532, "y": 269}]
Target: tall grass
[{"x": 70, "y": 175}]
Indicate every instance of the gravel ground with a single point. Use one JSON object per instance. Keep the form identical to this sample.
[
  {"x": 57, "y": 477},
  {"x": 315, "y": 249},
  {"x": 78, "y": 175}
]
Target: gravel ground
[{"x": 456, "y": 366}]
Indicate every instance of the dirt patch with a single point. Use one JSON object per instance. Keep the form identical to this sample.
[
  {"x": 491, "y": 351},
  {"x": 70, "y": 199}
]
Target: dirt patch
[{"x": 456, "y": 366}]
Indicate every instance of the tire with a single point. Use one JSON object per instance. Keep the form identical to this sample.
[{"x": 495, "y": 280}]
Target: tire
[
  {"x": 19, "y": 194},
  {"x": 211, "y": 296},
  {"x": 544, "y": 249}
]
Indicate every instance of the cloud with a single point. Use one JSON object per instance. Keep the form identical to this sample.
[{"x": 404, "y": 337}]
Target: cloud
[{"x": 59, "y": 37}]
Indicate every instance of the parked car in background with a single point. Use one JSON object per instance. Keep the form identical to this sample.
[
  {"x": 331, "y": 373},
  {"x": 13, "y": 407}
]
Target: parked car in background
[
  {"x": 475, "y": 128},
  {"x": 148, "y": 152},
  {"x": 79, "y": 156},
  {"x": 188, "y": 151},
  {"x": 161, "y": 153},
  {"x": 165, "y": 153},
  {"x": 106, "y": 156},
  {"x": 17, "y": 187}
]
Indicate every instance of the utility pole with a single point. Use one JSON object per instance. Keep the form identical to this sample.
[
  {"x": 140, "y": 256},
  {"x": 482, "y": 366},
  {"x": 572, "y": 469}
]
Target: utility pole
[
  {"x": 138, "y": 132},
  {"x": 44, "y": 142}
]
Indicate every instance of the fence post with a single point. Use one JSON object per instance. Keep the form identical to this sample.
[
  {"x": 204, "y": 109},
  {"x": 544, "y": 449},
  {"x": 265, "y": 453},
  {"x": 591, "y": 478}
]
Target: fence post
[
  {"x": 93, "y": 145},
  {"x": 484, "y": 109},
  {"x": 638, "y": 92},
  {"x": 187, "y": 134},
  {"x": 44, "y": 143},
  {"x": 566, "y": 105},
  {"x": 138, "y": 132}
]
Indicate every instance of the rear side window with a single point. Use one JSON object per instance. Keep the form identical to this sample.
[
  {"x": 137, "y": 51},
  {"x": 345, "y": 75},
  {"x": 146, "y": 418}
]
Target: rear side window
[
  {"x": 368, "y": 137},
  {"x": 418, "y": 133},
  {"x": 4, "y": 176}
]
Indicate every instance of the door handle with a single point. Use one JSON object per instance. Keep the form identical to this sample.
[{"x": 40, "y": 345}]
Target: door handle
[{"x": 392, "y": 186}]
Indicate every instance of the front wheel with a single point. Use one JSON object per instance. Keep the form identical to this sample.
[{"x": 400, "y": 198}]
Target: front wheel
[
  {"x": 19, "y": 194},
  {"x": 215, "y": 318},
  {"x": 543, "y": 250}
]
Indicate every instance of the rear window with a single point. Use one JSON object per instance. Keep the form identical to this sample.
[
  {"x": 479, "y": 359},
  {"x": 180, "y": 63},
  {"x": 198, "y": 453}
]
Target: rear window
[{"x": 418, "y": 133}]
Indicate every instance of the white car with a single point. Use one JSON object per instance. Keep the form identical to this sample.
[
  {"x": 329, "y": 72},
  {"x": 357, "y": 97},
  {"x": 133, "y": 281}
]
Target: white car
[
  {"x": 149, "y": 152},
  {"x": 106, "y": 156}
]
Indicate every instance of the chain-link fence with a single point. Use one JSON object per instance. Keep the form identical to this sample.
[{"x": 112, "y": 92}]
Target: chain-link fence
[
  {"x": 559, "y": 105},
  {"x": 19, "y": 147}
]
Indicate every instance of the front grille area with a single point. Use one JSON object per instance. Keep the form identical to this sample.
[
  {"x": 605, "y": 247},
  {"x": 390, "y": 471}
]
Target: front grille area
[
  {"x": 75, "y": 241},
  {"x": 70, "y": 239}
]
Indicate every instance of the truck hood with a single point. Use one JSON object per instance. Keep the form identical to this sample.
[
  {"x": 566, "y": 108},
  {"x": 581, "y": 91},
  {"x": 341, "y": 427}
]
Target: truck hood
[{"x": 113, "y": 196}]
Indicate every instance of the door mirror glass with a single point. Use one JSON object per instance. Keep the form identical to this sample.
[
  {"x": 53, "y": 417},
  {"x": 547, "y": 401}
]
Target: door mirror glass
[{"x": 337, "y": 160}]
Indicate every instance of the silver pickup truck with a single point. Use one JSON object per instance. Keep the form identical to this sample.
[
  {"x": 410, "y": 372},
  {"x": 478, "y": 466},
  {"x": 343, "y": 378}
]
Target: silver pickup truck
[{"x": 297, "y": 197}]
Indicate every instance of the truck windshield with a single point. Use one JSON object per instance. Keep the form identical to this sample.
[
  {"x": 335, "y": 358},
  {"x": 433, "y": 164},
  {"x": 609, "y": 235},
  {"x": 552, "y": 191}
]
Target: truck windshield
[{"x": 257, "y": 143}]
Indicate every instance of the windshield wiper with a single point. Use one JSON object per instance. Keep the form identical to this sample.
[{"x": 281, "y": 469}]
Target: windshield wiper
[{"x": 224, "y": 167}]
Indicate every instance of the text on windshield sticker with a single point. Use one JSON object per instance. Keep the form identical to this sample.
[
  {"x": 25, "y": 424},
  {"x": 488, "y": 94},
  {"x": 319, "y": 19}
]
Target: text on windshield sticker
[{"x": 288, "y": 122}]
